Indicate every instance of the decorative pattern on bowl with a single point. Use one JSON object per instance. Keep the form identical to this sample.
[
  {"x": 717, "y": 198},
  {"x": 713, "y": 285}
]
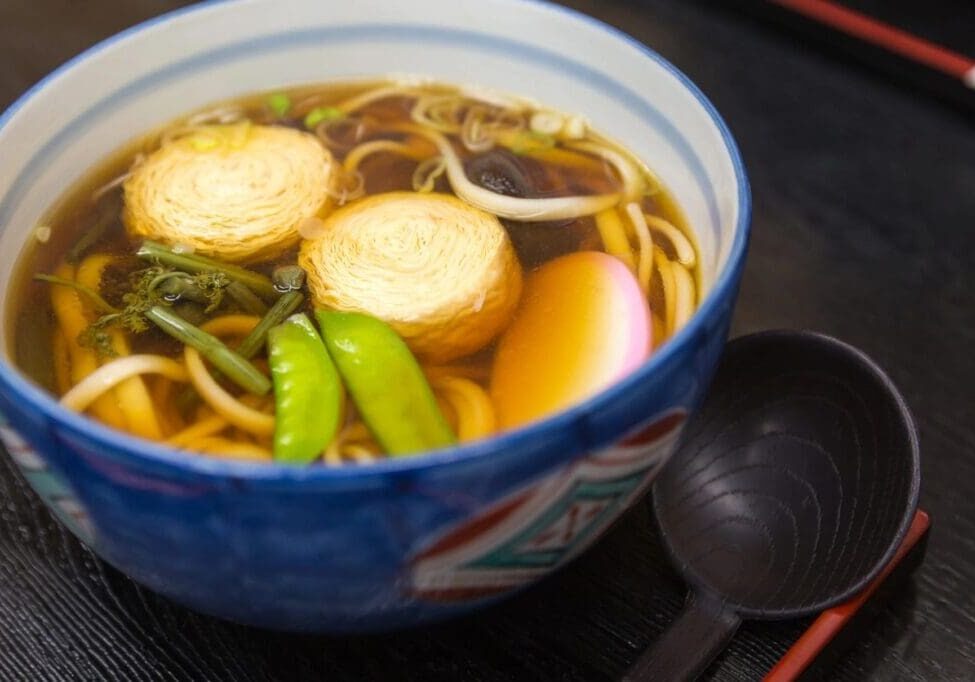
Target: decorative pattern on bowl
[
  {"x": 53, "y": 490},
  {"x": 546, "y": 524}
]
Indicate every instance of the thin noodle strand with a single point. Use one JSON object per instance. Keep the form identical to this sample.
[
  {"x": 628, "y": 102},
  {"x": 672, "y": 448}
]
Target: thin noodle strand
[
  {"x": 69, "y": 312},
  {"x": 667, "y": 288},
  {"x": 358, "y": 154},
  {"x": 113, "y": 373},
  {"x": 221, "y": 447},
  {"x": 614, "y": 239},
  {"x": 322, "y": 130},
  {"x": 337, "y": 450},
  {"x": 224, "y": 404},
  {"x": 471, "y": 404},
  {"x": 683, "y": 250},
  {"x": 332, "y": 456},
  {"x": 208, "y": 426},
  {"x": 683, "y": 295},
  {"x": 633, "y": 180},
  {"x": 644, "y": 270},
  {"x": 360, "y": 454},
  {"x": 218, "y": 115},
  {"x": 109, "y": 186},
  {"x": 364, "y": 99},
  {"x": 132, "y": 395},
  {"x": 161, "y": 392},
  {"x": 427, "y": 173}
]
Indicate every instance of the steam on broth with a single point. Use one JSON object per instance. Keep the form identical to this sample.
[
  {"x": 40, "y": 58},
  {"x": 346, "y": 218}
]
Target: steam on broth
[{"x": 345, "y": 272}]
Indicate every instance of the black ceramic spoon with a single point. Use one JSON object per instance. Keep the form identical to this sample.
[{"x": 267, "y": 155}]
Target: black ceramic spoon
[{"x": 793, "y": 487}]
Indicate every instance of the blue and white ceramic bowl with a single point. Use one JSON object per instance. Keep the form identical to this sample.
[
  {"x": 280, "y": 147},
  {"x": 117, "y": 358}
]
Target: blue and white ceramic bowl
[{"x": 406, "y": 540}]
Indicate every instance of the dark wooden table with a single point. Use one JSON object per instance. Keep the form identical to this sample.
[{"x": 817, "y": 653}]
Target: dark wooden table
[{"x": 864, "y": 227}]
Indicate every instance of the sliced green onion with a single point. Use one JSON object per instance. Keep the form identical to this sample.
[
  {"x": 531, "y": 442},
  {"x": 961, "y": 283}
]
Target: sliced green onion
[
  {"x": 236, "y": 368},
  {"x": 319, "y": 114},
  {"x": 162, "y": 254},
  {"x": 279, "y": 104}
]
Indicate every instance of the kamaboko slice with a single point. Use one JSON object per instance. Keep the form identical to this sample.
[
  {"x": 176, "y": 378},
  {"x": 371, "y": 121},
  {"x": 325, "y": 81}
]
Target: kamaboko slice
[{"x": 583, "y": 324}]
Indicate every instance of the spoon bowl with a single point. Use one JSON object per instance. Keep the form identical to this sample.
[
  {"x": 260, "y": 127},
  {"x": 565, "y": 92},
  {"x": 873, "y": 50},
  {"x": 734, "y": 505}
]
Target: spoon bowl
[{"x": 793, "y": 487}]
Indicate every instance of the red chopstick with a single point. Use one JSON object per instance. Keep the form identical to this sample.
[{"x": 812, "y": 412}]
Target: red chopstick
[
  {"x": 830, "y": 622},
  {"x": 885, "y": 36}
]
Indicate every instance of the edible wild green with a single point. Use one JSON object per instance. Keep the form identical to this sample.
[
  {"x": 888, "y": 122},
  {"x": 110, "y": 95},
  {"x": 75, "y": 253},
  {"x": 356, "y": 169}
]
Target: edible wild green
[
  {"x": 230, "y": 363},
  {"x": 162, "y": 255},
  {"x": 93, "y": 296},
  {"x": 156, "y": 285}
]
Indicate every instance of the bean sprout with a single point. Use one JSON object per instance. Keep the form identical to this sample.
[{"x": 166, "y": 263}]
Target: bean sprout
[
  {"x": 427, "y": 173},
  {"x": 633, "y": 181},
  {"x": 218, "y": 115},
  {"x": 644, "y": 270},
  {"x": 346, "y": 187},
  {"x": 513, "y": 208},
  {"x": 326, "y": 131}
]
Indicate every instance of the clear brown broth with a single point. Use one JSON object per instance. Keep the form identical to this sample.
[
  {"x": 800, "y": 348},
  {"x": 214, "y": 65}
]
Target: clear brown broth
[{"x": 29, "y": 315}]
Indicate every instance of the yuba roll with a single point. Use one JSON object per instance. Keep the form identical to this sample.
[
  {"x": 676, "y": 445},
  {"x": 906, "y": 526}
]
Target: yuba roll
[
  {"x": 236, "y": 192},
  {"x": 442, "y": 273}
]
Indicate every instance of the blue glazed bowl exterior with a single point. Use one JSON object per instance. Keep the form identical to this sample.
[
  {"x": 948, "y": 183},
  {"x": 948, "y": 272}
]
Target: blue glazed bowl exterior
[{"x": 395, "y": 544}]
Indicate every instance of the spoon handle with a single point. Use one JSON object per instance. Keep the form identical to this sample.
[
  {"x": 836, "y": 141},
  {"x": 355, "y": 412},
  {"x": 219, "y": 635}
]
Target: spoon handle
[{"x": 685, "y": 649}]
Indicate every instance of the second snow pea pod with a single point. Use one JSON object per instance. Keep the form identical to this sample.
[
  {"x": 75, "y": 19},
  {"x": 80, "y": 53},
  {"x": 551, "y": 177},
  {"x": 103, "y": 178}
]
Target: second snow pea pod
[{"x": 386, "y": 383}]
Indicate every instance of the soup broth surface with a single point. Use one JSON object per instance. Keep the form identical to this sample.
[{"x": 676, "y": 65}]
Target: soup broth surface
[{"x": 383, "y": 142}]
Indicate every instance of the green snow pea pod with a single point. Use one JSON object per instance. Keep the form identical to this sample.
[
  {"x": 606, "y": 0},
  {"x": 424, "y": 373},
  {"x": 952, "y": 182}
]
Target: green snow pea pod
[
  {"x": 308, "y": 392},
  {"x": 385, "y": 382}
]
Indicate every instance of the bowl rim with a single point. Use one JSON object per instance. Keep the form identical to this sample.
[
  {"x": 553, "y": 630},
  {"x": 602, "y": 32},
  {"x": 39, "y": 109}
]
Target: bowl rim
[{"x": 123, "y": 446}]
